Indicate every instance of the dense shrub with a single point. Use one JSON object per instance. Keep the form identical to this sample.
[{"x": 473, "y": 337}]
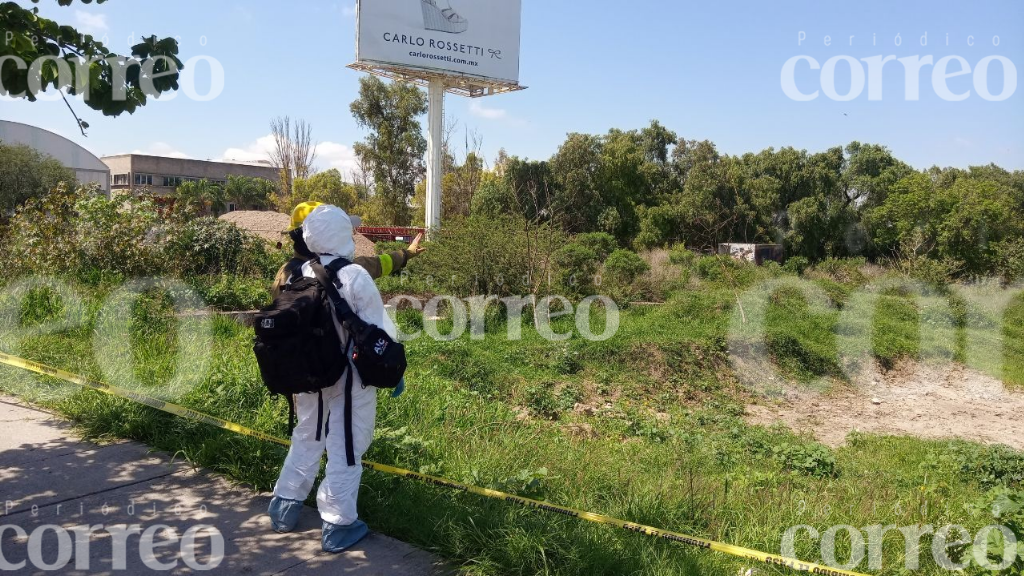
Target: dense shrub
[
  {"x": 623, "y": 267},
  {"x": 680, "y": 255},
  {"x": 496, "y": 256},
  {"x": 842, "y": 270},
  {"x": 385, "y": 247},
  {"x": 796, "y": 264},
  {"x": 211, "y": 246},
  {"x": 1010, "y": 260},
  {"x": 575, "y": 266},
  {"x": 81, "y": 232},
  {"x": 227, "y": 292},
  {"x": 601, "y": 243},
  {"x": 26, "y": 174}
]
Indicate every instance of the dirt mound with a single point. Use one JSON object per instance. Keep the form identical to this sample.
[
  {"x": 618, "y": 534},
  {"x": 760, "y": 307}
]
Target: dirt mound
[
  {"x": 917, "y": 399},
  {"x": 267, "y": 225},
  {"x": 364, "y": 246},
  {"x": 270, "y": 225}
]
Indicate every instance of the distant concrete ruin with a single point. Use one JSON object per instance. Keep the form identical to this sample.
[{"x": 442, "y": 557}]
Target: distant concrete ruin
[{"x": 756, "y": 253}]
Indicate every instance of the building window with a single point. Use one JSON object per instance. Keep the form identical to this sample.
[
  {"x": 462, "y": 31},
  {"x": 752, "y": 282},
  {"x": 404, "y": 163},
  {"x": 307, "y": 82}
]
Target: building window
[
  {"x": 231, "y": 206},
  {"x": 143, "y": 179},
  {"x": 120, "y": 179},
  {"x": 172, "y": 181}
]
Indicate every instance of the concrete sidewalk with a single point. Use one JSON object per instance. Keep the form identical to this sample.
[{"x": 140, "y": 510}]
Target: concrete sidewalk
[{"x": 48, "y": 477}]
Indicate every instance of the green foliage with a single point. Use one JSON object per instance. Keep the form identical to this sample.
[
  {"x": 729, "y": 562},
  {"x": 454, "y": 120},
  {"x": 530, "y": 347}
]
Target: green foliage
[
  {"x": 575, "y": 266},
  {"x": 807, "y": 458},
  {"x": 601, "y": 243},
  {"x": 394, "y": 148},
  {"x": 842, "y": 270},
  {"x": 78, "y": 230},
  {"x": 385, "y": 247},
  {"x": 1009, "y": 257},
  {"x": 990, "y": 466},
  {"x": 961, "y": 223},
  {"x": 208, "y": 246},
  {"x": 624, "y": 266},
  {"x": 681, "y": 256},
  {"x": 1003, "y": 507},
  {"x": 796, "y": 264},
  {"x": 501, "y": 257},
  {"x": 31, "y": 37},
  {"x": 198, "y": 197},
  {"x": 230, "y": 292},
  {"x": 250, "y": 193},
  {"x": 326, "y": 187},
  {"x": 25, "y": 173}
]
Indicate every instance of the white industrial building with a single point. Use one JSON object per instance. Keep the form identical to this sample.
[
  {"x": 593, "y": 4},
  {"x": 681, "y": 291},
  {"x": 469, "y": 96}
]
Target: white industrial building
[{"x": 88, "y": 168}]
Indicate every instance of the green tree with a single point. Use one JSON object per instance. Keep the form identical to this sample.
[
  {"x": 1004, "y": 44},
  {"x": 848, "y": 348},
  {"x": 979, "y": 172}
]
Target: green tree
[
  {"x": 250, "y": 193},
  {"x": 25, "y": 173},
  {"x": 577, "y": 170},
  {"x": 493, "y": 198},
  {"x": 196, "y": 197},
  {"x": 327, "y": 187},
  {"x": 394, "y": 148},
  {"x": 110, "y": 83}
]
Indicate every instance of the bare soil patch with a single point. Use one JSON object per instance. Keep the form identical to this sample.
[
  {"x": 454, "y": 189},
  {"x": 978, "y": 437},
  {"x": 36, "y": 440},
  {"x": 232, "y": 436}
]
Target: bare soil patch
[{"x": 917, "y": 399}]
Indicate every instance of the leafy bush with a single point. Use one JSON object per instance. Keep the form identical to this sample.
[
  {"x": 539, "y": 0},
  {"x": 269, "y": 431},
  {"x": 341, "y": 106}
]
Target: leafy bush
[
  {"x": 385, "y": 247},
  {"x": 1010, "y": 260},
  {"x": 1002, "y": 507},
  {"x": 575, "y": 268},
  {"x": 26, "y": 174},
  {"x": 682, "y": 256},
  {"x": 842, "y": 270},
  {"x": 810, "y": 458},
  {"x": 228, "y": 292},
  {"x": 210, "y": 246},
  {"x": 796, "y": 264},
  {"x": 79, "y": 231},
  {"x": 989, "y": 465},
  {"x": 624, "y": 267},
  {"x": 601, "y": 243},
  {"x": 496, "y": 256}
]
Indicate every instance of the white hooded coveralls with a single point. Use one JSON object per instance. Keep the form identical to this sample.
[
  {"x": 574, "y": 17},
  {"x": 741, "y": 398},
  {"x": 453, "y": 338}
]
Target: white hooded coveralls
[{"x": 327, "y": 232}]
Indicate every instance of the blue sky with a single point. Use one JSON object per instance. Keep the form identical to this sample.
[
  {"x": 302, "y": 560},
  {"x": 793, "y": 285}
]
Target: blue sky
[{"x": 707, "y": 70}]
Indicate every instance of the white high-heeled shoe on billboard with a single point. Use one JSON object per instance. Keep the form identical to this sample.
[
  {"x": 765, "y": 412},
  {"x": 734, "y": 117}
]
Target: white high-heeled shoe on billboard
[{"x": 442, "y": 20}]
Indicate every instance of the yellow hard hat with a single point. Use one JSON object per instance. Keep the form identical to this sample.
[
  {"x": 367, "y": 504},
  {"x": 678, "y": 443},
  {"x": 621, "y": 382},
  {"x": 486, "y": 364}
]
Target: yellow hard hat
[{"x": 300, "y": 213}]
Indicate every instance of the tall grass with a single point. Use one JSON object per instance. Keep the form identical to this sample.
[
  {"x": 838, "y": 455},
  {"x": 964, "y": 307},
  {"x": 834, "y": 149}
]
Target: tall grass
[{"x": 647, "y": 426}]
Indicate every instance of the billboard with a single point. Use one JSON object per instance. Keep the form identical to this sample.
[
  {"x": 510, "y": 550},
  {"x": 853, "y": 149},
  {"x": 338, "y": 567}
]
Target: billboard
[{"x": 477, "y": 38}]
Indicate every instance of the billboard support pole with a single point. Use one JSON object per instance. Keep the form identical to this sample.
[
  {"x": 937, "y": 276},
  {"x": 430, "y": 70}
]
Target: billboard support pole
[{"x": 435, "y": 153}]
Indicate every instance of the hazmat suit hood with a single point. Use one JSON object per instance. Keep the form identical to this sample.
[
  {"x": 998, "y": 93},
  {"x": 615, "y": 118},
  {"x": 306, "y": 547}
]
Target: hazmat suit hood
[{"x": 328, "y": 230}]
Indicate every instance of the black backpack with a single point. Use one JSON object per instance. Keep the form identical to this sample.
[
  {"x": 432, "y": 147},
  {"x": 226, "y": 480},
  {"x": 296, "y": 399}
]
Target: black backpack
[
  {"x": 298, "y": 349},
  {"x": 378, "y": 358}
]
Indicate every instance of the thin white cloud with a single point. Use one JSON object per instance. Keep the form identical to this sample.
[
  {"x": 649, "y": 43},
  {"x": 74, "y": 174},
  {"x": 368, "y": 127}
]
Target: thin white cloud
[
  {"x": 254, "y": 152},
  {"x": 348, "y": 11},
  {"x": 340, "y": 156},
  {"x": 328, "y": 154},
  {"x": 91, "y": 23},
  {"x": 479, "y": 110}
]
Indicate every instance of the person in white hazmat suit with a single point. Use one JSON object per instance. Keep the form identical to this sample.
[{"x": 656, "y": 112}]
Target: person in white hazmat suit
[{"x": 328, "y": 233}]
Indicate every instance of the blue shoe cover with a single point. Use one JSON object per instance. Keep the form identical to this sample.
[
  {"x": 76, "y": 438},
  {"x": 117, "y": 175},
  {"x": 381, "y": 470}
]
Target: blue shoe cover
[
  {"x": 284, "y": 514},
  {"x": 339, "y": 538}
]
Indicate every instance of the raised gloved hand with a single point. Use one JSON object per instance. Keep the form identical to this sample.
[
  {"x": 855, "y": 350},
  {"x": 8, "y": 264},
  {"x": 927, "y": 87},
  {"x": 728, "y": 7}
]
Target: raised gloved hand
[{"x": 415, "y": 249}]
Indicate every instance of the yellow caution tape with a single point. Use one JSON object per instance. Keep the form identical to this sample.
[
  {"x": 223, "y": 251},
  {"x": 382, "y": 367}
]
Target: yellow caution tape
[{"x": 737, "y": 551}]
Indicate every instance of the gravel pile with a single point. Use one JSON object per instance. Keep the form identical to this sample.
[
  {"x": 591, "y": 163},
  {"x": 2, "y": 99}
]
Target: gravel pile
[
  {"x": 270, "y": 225},
  {"x": 267, "y": 225}
]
